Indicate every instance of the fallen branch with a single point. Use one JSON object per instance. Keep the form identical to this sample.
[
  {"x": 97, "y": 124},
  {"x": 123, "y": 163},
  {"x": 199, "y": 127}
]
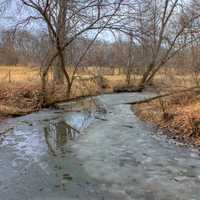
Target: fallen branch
[
  {"x": 165, "y": 95},
  {"x": 17, "y": 113}
]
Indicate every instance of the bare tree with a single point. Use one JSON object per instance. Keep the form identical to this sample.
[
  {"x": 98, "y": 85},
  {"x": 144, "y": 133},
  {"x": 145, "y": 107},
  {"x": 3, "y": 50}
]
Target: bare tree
[
  {"x": 160, "y": 28},
  {"x": 167, "y": 34},
  {"x": 66, "y": 21}
]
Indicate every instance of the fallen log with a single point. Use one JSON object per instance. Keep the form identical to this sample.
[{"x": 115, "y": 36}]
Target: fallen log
[
  {"x": 127, "y": 89},
  {"x": 193, "y": 89},
  {"x": 17, "y": 113}
]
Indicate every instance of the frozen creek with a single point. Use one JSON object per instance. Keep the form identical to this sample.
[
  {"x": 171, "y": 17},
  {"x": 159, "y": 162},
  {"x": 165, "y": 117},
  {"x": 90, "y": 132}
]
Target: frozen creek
[{"x": 110, "y": 155}]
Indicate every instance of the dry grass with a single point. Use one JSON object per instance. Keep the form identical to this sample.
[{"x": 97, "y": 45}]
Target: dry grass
[
  {"x": 20, "y": 88},
  {"x": 26, "y": 74},
  {"x": 19, "y": 74},
  {"x": 178, "y": 114}
]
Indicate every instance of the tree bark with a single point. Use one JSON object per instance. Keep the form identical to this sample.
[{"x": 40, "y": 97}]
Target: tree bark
[
  {"x": 58, "y": 75},
  {"x": 145, "y": 76}
]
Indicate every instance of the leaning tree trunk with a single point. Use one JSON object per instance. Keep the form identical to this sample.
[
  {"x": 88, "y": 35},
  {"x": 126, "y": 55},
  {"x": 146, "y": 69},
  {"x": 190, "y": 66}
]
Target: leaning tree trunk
[{"x": 145, "y": 78}]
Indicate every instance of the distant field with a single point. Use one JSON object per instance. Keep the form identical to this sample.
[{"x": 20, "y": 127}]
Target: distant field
[
  {"x": 19, "y": 74},
  {"x": 25, "y": 74},
  {"x": 15, "y": 74}
]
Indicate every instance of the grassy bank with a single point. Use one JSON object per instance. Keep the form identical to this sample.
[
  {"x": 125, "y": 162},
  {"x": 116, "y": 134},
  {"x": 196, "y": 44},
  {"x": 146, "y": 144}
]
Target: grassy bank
[
  {"x": 20, "y": 88},
  {"x": 178, "y": 115}
]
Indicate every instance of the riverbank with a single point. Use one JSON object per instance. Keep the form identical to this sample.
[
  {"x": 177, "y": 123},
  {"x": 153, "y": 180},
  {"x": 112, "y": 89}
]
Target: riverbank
[
  {"x": 21, "y": 99},
  {"x": 24, "y": 96},
  {"x": 177, "y": 115}
]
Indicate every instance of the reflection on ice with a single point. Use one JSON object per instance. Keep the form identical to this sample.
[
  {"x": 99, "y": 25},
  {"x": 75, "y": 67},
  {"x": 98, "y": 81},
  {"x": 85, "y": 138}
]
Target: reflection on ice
[
  {"x": 57, "y": 135},
  {"x": 59, "y": 132}
]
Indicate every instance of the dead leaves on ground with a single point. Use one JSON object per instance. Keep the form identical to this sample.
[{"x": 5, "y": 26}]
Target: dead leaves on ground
[{"x": 184, "y": 112}]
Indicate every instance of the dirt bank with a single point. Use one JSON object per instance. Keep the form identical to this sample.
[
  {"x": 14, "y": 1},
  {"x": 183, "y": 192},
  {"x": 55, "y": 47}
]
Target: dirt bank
[{"x": 178, "y": 115}]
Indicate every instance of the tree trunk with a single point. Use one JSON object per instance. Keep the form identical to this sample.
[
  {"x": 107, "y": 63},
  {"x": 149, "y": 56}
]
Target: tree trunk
[
  {"x": 128, "y": 76},
  {"x": 145, "y": 77},
  {"x": 44, "y": 95},
  {"x": 58, "y": 75},
  {"x": 61, "y": 30},
  {"x": 130, "y": 61},
  {"x": 68, "y": 91}
]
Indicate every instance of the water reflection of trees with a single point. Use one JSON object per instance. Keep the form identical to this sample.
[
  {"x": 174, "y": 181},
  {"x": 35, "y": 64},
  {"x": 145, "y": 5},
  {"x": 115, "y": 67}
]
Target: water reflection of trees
[{"x": 57, "y": 135}]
